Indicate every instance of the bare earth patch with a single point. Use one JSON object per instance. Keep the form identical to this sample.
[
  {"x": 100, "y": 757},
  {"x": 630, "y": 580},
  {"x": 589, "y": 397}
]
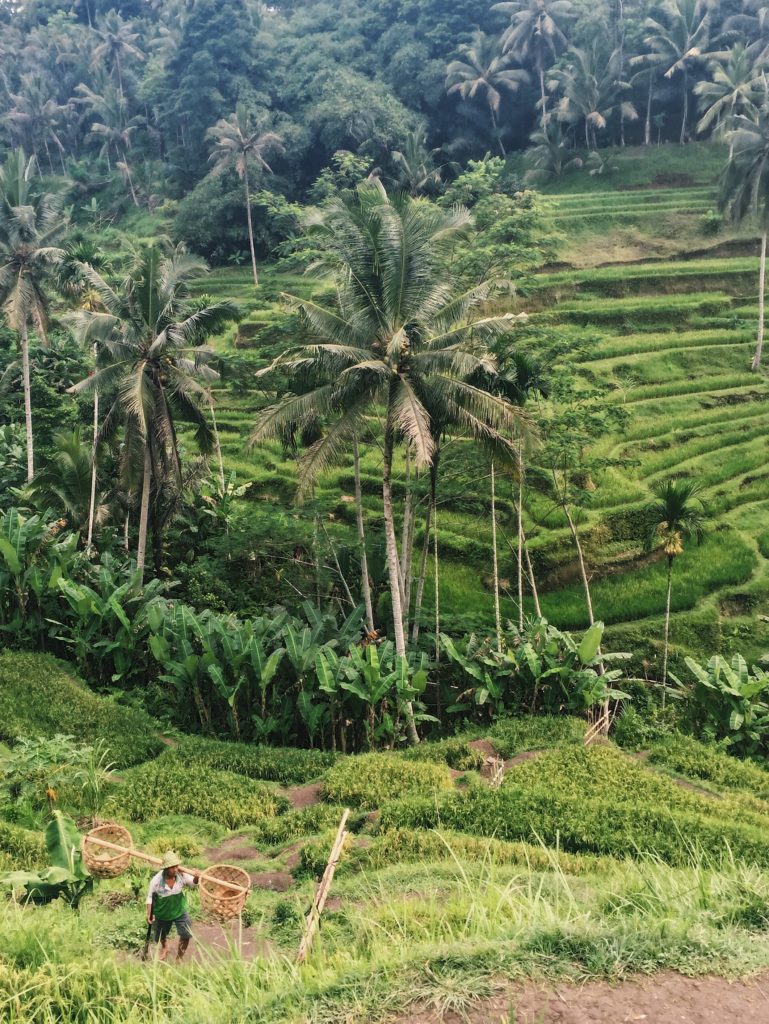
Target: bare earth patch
[
  {"x": 231, "y": 850},
  {"x": 278, "y": 881},
  {"x": 661, "y": 999},
  {"x": 304, "y": 796}
]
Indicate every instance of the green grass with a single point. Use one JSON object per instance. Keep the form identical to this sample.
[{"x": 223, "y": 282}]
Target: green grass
[
  {"x": 168, "y": 785},
  {"x": 39, "y": 698},
  {"x": 368, "y": 780}
]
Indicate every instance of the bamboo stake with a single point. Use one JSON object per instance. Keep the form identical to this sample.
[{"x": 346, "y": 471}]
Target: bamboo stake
[
  {"x": 313, "y": 917},
  {"x": 157, "y": 861}
]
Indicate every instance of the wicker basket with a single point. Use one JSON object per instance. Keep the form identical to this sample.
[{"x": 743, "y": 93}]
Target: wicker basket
[
  {"x": 102, "y": 862},
  {"x": 216, "y": 899}
]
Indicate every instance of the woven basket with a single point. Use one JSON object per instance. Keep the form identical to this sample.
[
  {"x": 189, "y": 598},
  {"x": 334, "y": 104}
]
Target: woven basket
[
  {"x": 100, "y": 861},
  {"x": 224, "y": 903}
]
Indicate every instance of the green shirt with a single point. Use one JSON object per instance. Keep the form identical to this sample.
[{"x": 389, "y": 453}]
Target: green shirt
[{"x": 170, "y": 901}]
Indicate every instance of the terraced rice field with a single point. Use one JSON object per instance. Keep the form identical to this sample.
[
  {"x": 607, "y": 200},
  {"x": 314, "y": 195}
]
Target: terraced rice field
[{"x": 672, "y": 340}]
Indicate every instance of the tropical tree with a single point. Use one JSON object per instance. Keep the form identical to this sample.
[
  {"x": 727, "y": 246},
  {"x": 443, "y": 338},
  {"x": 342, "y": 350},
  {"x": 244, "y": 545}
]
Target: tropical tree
[
  {"x": 676, "y": 514},
  {"x": 64, "y": 483},
  {"x": 117, "y": 44},
  {"x": 745, "y": 192},
  {"x": 153, "y": 366},
  {"x": 398, "y": 339},
  {"x": 415, "y": 165},
  {"x": 536, "y": 35},
  {"x": 590, "y": 86},
  {"x": 736, "y": 88},
  {"x": 32, "y": 222},
  {"x": 485, "y": 72},
  {"x": 548, "y": 156},
  {"x": 35, "y": 117},
  {"x": 678, "y": 42},
  {"x": 238, "y": 142}
]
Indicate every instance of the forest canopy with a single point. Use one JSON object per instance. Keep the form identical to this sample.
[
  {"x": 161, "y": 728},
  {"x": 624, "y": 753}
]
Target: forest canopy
[{"x": 124, "y": 98}]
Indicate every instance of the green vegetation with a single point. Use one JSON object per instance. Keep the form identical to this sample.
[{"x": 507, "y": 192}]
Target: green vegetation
[
  {"x": 38, "y": 697},
  {"x": 168, "y": 785},
  {"x": 275, "y": 544},
  {"x": 368, "y": 780},
  {"x": 287, "y": 765}
]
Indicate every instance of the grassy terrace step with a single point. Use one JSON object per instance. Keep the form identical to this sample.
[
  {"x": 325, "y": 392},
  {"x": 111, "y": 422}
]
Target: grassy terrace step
[
  {"x": 665, "y": 341},
  {"x": 654, "y": 268},
  {"x": 681, "y": 364},
  {"x": 641, "y": 195},
  {"x": 642, "y": 309},
  {"x": 614, "y": 212}
]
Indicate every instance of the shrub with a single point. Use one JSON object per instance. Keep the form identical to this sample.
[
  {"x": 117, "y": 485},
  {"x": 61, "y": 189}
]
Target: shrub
[
  {"x": 168, "y": 786},
  {"x": 297, "y": 824},
  {"x": 701, "y": 761},
  {"x": 593, "y": 800},
  {"x": 401, "y": 845},
  {"x": 512, "y": 736},
  {"x": 288, "y": 765},
  {"x": 368, "y": 780},
  {"x": 38, "y": 698},
  {"x": 456, "y": 753},
  {"x": 22, "y": 847}
]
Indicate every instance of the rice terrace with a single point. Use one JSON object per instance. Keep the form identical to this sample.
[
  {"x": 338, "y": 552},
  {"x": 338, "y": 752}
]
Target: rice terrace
[{"x": 384, "y": 512}]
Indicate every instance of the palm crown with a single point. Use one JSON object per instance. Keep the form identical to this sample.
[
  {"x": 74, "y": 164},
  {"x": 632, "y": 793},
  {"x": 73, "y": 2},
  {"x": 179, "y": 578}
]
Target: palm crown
[{"x": 398, "y": 335}]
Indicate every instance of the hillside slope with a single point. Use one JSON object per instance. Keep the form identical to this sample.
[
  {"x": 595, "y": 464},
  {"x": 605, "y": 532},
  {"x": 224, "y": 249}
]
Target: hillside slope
[{"x": 671, "y": 338}]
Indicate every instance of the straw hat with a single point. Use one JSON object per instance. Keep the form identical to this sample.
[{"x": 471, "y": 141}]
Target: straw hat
[{"x": 171, "y": 860}]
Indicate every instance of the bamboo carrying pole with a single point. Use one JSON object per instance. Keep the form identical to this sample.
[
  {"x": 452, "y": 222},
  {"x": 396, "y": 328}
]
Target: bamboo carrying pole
[
  {"x": 157, "y": 861},
  {"x": 313, "y": 917}
]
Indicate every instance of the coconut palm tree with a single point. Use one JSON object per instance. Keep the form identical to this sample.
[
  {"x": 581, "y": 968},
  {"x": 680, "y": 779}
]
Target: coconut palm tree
[
  {"x": 677, "y": 43},
  {"x": 536, "y": 35},
  {"x": 238, "y": 142},
  {"x": 153, "y": 367},
  {"x": 736, "y": 88},
  {"x": 485, "y": 72},
  {"x": 548, "y": 156},
  {"x": 676, "y": 514},
  {"x": 64, "y": 483},
  {"x": 415, "y": 165},
  {"x": 35, "y": 117},
  {"x": 590, "y": 86},
  {"x": 117, "y": 44},
  {"x": 32, "y": 222},
  {"x": 398, "y": 339},
  {"x": 745, "y": 192}
]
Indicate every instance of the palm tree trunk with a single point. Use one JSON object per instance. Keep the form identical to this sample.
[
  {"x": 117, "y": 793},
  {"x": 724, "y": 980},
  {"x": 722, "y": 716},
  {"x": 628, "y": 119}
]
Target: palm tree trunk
[
  {"x": 393, "y": 568},
  {"x": 364, "y": 581},
  {"x": 761, "y": 285},
  {"x": 496, "y": 132},
  {"x": 648, "y": 123},
  {"x": 425, "y": 546},
  {"x": 519, "y": 516},
  {"x": 24, "y": 343},
  {"x": 667, "y": 629},
  {"x": 495, "y": 561},
  {"x": 250, "y": 225},
  {"x": 144, "y": 509},
  {"x": 532, "y": 581},
  {"x": 405, "y": 566},
  {"x": 92, "y": 503},
  {"x": 685, "y": 117},
  {"x": 436, "y": 584},
  {"x": 218, "y": 443},
  {"x": 581, "y": 560},
  {"x": 543, "y": 98}
]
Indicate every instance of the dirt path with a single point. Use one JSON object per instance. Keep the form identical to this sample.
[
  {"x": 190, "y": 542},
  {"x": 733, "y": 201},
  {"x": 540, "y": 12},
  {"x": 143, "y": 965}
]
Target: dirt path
[{"x": 660, "y": 999}]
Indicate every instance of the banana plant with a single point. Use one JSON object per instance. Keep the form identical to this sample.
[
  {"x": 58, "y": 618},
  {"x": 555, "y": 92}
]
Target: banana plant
[
  {"x": 34, "y": 555},
  {"x": 67, "y": 878},
  {"x": 176, "y": 644},
  {"x": 728, "y": 703}
]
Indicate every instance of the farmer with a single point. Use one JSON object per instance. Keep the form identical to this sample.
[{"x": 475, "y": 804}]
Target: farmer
[{"x": 167, "y": 904}]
